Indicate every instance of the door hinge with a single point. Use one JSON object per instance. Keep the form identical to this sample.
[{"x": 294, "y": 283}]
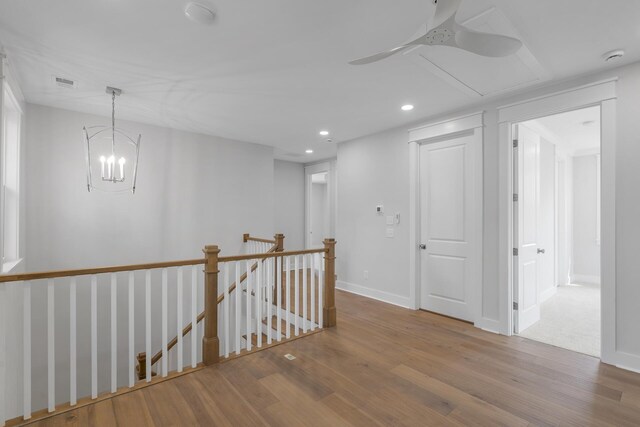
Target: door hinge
[
  {"x": 515, "y": 197},
  {"x": 515, "y": 143},
  {"x": 515, "y": 305},
  {"x": 515, "y": 251}
]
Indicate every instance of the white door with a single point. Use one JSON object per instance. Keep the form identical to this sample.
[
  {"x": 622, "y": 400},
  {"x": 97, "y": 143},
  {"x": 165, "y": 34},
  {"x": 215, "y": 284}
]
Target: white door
[
  {"x": 527, "y": 269},
  {"x": 534, "y": 219},
  {"x": 447, "y": 197}
]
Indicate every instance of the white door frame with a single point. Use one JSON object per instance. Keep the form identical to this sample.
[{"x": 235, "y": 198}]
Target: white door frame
[
  {"x": 423, "y": 135},
  {"x": 601, "y": 93},
  {"x": 330, "y": 168}
]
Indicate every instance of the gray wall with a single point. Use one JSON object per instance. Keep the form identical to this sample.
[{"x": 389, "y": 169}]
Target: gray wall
[{"x": 289, "y": 202}]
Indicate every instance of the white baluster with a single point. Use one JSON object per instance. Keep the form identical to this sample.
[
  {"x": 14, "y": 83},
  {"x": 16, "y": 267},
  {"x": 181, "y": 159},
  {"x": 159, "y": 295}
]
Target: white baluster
[
  {"x": 132, "y": 352},
  {"x": 258, "y": 300},
  {"x": 278, "y": 284},
  {"x": 248, "y": 335},
  {"x": 147, "y": 311},
  {"x": 165, "y": 319},
  {"x": 296, "y": 293},
  {"x": 26, "y": 332},
  {"x": 305, "y": 317},
  {"x": 288, "y": 295},
  {"x": 314, "y": 264},
  {"x": 94, "y": 336},
  {"x": 269, "y": 290},
  {"x": 194, "y": 316},
  {"x": 114, "y": 333},
  {"x": 225, "y": 304},
  {"x": 73, "y": 391},
  {"x": 51, "y": 347},
  {"x": 320, "y": 289},
  {"x": 238, "y": 294},
  {"x": 179, "y": 319}
]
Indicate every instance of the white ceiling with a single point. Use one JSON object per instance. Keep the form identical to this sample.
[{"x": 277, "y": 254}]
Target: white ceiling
[
  {"x": 275, "y": 72},
  {"x": 574, "y": 132}
]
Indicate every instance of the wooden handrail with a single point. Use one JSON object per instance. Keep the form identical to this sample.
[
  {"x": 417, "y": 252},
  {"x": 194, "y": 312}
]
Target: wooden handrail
[
  {"x": 99, "y": 270},
  {"x": 247, "y": 238},
  {"x": 270, "y": 255}
]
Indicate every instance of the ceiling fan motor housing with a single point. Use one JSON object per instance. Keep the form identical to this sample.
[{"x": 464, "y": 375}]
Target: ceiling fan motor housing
[{"x": 438, "y": 36}]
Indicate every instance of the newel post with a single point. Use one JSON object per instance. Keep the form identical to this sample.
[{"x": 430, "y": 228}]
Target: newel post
[
  {"x": 210, "y": 342},
  {"x": 279, "y": 238},
  {"x": 245, "y": 237},
  {"x": 329, "y": 300}
]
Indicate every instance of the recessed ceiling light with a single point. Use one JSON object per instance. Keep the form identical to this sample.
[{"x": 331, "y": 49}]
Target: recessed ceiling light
[
  {"x": 324, "y": 132},
  {"x": 199, "y": 13},
  {"x": 614, "y": 54},
  {"x": 407, "y": 107},
  {"x": 309, "y": 151}
]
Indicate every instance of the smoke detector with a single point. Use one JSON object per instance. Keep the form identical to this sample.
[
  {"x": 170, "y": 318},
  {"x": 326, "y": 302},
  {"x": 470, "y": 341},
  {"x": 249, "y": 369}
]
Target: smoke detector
[
  {"x": 613, "y": 55},
  {"x": 199, "y": 13},
  {"x": 65, "y": 83}
]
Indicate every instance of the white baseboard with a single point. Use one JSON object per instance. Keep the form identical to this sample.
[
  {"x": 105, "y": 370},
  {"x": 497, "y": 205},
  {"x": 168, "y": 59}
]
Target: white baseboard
[
  {"x": 489, "y": 325},
  {"x": 374, "y": 294},
  {"x": 585, "y": 278},
  {"x": 548, "y": 294},
  {"x": 627, "y": 361}
]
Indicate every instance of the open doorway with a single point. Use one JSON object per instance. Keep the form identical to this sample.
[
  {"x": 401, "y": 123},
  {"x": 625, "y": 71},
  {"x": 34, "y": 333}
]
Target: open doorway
[
  {"x": 556, "y": 231},
  {"x": 320, "y": 203},
  {"x": 319, "y": 214}
]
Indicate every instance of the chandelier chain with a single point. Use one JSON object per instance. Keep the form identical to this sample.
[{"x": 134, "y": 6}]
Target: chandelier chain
[{"x": 113, "y": 122}]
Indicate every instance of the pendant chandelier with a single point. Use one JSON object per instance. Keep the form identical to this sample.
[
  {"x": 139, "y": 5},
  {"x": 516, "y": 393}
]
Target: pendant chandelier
[{"x": 113, "y": 153}]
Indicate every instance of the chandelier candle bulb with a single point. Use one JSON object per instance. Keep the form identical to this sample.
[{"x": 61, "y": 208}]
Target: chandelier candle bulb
[{"x": 121, "y": 162}]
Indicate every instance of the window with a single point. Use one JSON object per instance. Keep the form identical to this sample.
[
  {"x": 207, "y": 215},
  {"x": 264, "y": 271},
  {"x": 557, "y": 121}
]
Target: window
[{"x": 10, "y": 196}]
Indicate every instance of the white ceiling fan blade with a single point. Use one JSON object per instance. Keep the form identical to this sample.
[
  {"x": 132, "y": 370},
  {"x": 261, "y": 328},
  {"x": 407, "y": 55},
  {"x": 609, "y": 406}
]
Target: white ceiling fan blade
[
  {"x": 445, "y": 9},
  {"x": 379, "y": 56},
  {"x": 486, "y": 44},
  {"x": 382, "y": 55}
]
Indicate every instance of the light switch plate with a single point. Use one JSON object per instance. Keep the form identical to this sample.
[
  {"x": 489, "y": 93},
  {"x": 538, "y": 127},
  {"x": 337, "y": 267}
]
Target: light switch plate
[
  {"x": 390, "y": 233},
  {"x": 380, "y": 209}
]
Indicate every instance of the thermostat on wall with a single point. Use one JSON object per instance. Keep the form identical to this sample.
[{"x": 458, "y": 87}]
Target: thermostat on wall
[{"x": 379, "y": 209}]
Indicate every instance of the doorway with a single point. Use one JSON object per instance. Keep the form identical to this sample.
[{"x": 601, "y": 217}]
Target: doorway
[
  {"x": 445, "y": 217},
  {"x": 556, "y": 230},
  {"x": 320, "y": 203}
]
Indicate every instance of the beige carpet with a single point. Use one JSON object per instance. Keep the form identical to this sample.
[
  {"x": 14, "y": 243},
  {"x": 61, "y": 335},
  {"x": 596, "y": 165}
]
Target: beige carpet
[{"x": 570, "y": 319}]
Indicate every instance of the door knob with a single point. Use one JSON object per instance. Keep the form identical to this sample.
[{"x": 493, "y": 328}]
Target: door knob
[
  {"x": 422, "y": 246},
  {"x": 540, "y": 251}
]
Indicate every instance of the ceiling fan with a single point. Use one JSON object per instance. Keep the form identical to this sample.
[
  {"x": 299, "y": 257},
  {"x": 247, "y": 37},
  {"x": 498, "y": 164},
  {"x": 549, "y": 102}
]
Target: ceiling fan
[{"x": 445, "y": 31}]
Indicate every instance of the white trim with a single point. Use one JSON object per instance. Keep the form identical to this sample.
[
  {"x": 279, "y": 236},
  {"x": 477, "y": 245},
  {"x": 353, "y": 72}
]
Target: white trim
[
  {"x": 423, "y": 134},
  {"x": 545, "y": 295},
  {"x": 387, "y": 297},
  {"x": 587, "y": 152},
  {"x": 585, "y": 278},
  {"x": 611, "y": 94},
  {"x": 601, "y": 93},
  {"x": 446, "y": 127}
]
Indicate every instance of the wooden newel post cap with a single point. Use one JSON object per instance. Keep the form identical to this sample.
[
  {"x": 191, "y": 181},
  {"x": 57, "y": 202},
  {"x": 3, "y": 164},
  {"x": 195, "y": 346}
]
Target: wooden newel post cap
[
  {"x": 245, "y": 237},
  {"x": 211, "y": 249}
]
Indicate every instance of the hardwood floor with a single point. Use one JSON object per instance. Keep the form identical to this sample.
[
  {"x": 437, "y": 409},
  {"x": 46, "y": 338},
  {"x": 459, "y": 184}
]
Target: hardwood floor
[{"x": 383, "y": 365}]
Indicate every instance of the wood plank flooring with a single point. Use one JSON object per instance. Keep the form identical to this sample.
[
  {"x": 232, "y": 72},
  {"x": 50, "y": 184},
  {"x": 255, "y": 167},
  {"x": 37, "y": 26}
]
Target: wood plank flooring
[{"x": 383, "y": 365}]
